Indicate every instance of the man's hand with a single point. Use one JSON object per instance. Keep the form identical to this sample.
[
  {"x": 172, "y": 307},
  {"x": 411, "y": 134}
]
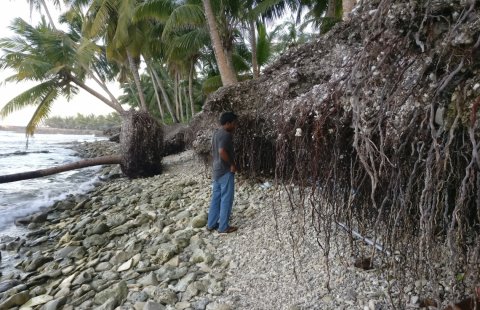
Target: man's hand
[{"x": 233, "y": 168}]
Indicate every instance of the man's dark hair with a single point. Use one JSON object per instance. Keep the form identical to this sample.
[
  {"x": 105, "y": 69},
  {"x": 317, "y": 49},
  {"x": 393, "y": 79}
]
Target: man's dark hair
[{"x": 227, "y": 117}]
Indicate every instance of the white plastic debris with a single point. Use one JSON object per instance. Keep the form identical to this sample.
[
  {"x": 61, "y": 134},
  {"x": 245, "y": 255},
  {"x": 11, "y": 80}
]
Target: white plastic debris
[{"x": 265, "y": 185}]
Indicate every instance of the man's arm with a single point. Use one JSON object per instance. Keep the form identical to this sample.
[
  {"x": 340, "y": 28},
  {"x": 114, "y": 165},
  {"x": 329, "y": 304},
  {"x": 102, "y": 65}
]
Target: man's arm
[{"x": 226, "y": 158}]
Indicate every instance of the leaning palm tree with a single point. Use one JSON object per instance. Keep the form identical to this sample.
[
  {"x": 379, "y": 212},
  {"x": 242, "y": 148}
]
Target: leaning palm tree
[
  {"x": 113, "y": 22},
  {"x": 53, "y": 60},
  {"x": 58, "y": 62}
]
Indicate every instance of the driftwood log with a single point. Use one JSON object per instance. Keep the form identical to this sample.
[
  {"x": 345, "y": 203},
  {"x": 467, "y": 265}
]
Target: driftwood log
[
  {"x": 141, "y": 152},
  {"x": 104, "y": 160}
]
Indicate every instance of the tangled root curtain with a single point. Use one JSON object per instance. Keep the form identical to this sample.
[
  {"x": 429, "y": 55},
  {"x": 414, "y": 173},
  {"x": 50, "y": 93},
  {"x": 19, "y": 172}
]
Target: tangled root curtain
[{"x": 376, "y": 123}]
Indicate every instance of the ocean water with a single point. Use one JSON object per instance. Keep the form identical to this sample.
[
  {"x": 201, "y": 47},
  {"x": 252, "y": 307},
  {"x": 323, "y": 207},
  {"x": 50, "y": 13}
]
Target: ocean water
[{"x": 22, "y": 198}]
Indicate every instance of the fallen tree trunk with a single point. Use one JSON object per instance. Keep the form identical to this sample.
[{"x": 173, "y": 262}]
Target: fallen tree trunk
[{"x": 103, "y": 160}]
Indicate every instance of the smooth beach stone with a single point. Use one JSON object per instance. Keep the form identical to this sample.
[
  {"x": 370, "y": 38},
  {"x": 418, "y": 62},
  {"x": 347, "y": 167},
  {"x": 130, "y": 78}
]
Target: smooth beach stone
[
  {"x": 216, "y": 287},
  {"x": 67, "y": 282},
  {"x": 38, "y": 300},
  {"x": 165, "y": 296},
  {"x": 39, "y": 217},
  {"x": 98, "y": 284},
  {"x": 15, "y": 300},
  {"x": 183, "y": 215},
  {"x": 8, "y": 284},
  {"x": 64, "y": 252},
  {"x": 125, "y": 266},
  {"x": 199, "y": 221},
  {"x": 120, "y": 257},
  {"x": 150, "y": 305},
  {"x": 14, "y": 245},
  {"x": 200, "y": 304},
  {"x": 78, "y": 253},
  {"x": 200, "y": 256},
  {"x": 38, "y": 290},
  {"x": 181, "y": 286},
  {"x": 97, "y": 229},
  {"x": 174, "y": 261},
  {"x": 182, "y": 305},
  {"x": 197, "y": 242},
  {"x": 83, "y": 277},
  {"x": 119, "y": 292},
  {"x": 165, "y": 252},
  {"x": 37, "y": 262},
  {"x": 64, "y": 291},
  {"x": 135, "y": 297},
  {"x": 218, "y": 306},
  {"x": 110, "y": 304},
  {"x": 94, "y": 240},
  {"x": 67, "y": 270},
  {"x": 103, "y": 266},
  {"x": 87, "y": 297},
  {"x": 81, "y": 224},
  {"x": 110, "y": 275},
  {"x": 54, "y": 304},
  {"x": 142, "y": 219},
  {"x": 150, "y": 279},
  {"x": 193, "y": 289}
]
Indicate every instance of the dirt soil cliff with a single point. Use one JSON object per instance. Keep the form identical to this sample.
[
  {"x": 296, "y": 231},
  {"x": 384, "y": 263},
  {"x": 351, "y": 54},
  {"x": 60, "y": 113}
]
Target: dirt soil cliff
[{"x": 376, "y": 122}]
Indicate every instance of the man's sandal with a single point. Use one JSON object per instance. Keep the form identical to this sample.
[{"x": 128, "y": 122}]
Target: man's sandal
[{"x": 230, "y": 229}]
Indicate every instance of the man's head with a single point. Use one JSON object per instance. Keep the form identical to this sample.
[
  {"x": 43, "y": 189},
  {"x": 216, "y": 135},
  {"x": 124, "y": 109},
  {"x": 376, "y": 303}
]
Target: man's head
[{"x": 228, "y": 120}]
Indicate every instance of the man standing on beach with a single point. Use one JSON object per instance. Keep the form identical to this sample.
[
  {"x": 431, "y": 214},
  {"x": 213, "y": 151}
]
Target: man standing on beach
[{"x": 223, "y": 175}]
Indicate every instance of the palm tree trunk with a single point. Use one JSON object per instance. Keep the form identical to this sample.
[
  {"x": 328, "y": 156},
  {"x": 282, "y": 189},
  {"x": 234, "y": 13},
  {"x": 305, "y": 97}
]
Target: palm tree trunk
[
  {"x": 136, "y": 78},
  {"x": 104, "y": 160},
  {"x": 253, "y": 43},
  {"x": 190, "y": 87},
  {"x": 48, "y": 14},
  {"x": 226, "y": 73},
  {"x": 103, "y": 86},
  {"x": 178, "y": 97},
  {"x": 165, "y": 96},
  {"x": 347, "y": 6},
  {"x": 331, "y": 9},
  {"x": 180, "y": 101},
  {"x": 187, "y": 108},
  {"x": 175, "y": 95},
  {"x": 157, "y": 96},
  {"x": 82, "y": 85}
]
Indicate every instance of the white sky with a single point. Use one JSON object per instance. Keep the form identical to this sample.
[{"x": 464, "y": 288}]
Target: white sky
[{"x": 83, "y": 103}]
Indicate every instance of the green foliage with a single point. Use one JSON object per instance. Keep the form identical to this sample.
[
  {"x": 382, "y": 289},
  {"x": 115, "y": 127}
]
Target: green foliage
[
  {"x": 172, "y": 35},
  {"x": 211, "y": 84},
  {"x": 85, "y": 122}
]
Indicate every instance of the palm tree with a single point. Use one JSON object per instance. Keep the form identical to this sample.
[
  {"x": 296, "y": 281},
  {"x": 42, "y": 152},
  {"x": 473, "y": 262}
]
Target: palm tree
[
  {"x": 51, "y": 59},
  {"x": 41, "y": 4},
  {"x": 113, "y": 22},
  {"x": 227, "y": 74},
  {"x": 347, "y": 6}
]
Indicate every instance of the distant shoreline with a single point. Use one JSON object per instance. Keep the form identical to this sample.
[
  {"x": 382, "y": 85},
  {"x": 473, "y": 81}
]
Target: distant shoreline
[{"x": 52, "y": 131}]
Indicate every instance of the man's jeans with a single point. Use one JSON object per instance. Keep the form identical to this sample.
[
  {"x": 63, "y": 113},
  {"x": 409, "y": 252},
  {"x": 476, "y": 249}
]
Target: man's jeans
[{"x": 222, "y": 202}]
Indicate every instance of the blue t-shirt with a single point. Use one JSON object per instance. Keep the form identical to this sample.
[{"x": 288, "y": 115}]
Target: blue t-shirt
[{"x": 222, "y": 139}]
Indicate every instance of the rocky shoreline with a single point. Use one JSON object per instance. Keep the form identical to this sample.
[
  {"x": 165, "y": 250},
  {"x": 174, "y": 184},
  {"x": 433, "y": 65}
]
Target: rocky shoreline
[{"x": 142, "y": 244}]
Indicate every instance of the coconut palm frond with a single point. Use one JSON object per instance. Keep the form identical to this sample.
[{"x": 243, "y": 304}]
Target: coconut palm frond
[
  {"x": 125, "y": 15},
  {"x": 32, "y": 96},
  {"x": 42, "y": 111},
  {"x": 101, "y": 12},
  {"x": 184, "y": 17},
  {"x": 191, "y": 41},
  {"x": 211, "y": 84},
  {"x": 240, "y": 63},
  {"x": 87, "y": 51},
  {"x": 159, "y": 10},
  {"x": 264, "y": 46}
]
